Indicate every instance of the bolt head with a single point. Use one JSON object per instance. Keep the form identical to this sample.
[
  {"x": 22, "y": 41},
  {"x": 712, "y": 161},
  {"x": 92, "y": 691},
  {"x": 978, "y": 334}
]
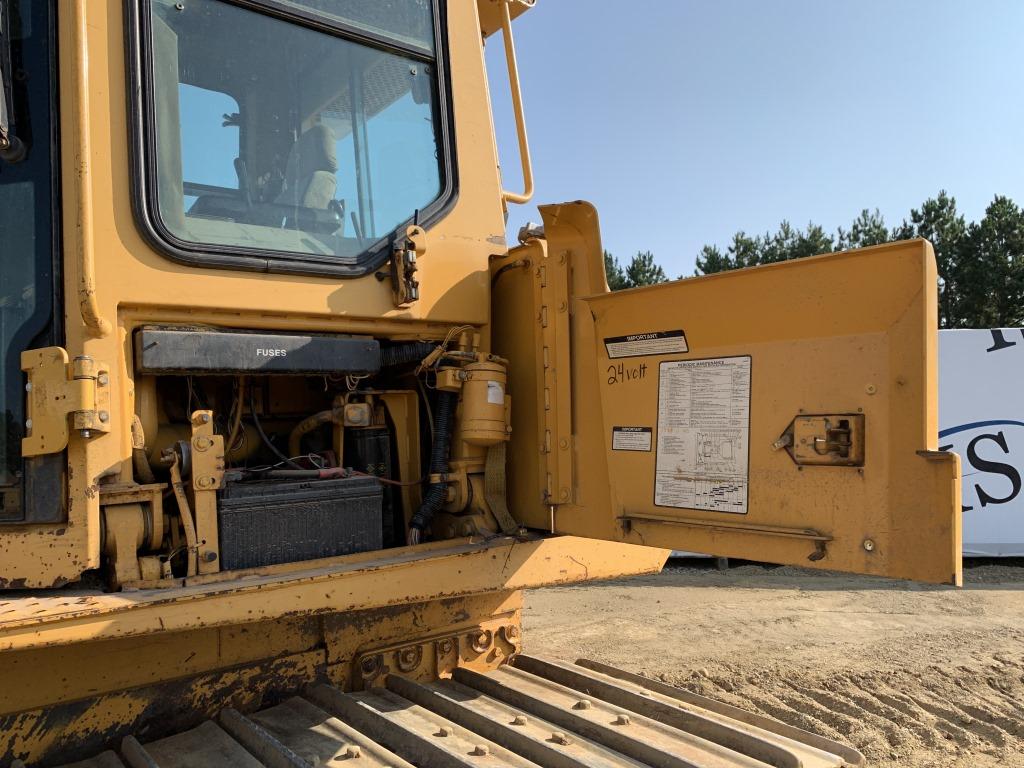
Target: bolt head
[
  {"x": 869, "y": 545},
  {"x": 103, "y": 379},
  {"x": 622, "y": 719},
  {"x": 519, "y": 720},
  {"x": 28, "y": 386},
  {"x": 481, "y": 750},
  {"x": 28, "y": 423},
  {"x": 582, "y": 704},
  {"x": 104, "y": 416}
]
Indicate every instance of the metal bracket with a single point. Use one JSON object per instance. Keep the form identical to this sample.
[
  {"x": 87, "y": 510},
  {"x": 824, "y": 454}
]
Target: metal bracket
[
  {"x": 818, "y": 539},
  {"x": 60, "y": 396},
  {"x": 207, "y": 450},
  {"x": 404, "y": 285}
]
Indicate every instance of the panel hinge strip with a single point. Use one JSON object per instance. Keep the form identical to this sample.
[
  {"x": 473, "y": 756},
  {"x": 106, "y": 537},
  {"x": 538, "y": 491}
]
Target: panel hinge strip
[{"x": 61, "y": 396}]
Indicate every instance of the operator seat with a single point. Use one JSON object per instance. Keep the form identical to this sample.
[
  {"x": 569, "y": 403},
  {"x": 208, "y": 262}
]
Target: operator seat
[{"x": 310, "y": 179}]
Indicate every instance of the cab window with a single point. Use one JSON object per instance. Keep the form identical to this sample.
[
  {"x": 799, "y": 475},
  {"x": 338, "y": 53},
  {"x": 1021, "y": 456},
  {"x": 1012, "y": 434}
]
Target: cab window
[{"x": 292, "y": 133}]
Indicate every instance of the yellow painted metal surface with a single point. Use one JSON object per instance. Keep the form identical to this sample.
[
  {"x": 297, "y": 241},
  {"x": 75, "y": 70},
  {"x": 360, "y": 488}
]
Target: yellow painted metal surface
[
  {"x": 123, "y": 283},
  {"x": 115, "y": 663},
  {"x": 96, "y": 692},
  {"x": 360, "y": 582},
  {"x": 491, "y": 12},
  {"x": 851, "y": 333}
]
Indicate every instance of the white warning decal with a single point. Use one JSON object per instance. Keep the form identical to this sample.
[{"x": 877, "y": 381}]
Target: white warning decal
[
  {"x": 643, "y": 344},
  {"x": 704, "y": 435},
  {"x": 631, "y": 438}
]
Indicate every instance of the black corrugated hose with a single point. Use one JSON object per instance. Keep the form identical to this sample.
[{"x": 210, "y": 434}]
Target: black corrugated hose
[
  {"x": 436, "y": 493},
  {"x": 405, "y": 353}
]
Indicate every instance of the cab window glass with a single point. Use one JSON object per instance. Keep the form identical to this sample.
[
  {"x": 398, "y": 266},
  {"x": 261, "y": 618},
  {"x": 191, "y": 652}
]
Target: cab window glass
[
  {"x": 28, "y": 234},
  {"x": 321, "y": 152},
  {"x": 411, "y": 22},
  {"x": 209, "y": 142}
]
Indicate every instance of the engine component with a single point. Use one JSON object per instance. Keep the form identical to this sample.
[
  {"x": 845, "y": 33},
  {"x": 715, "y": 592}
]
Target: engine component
[
  {"x": 197, "y": 351},
  {"x": 405, "y": 353},
  {"x": 307, "y": 425},
  {"x": 267, "y": 522},
  {"x": 368, "y": 449},
  {"x": 437, "y": 491},
  {"x": 484, "y": 420}
]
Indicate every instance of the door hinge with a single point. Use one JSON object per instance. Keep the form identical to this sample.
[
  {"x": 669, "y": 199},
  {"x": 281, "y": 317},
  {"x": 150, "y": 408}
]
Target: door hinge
[
  {"x": 61, "y": 396},
  {"x": 825, "y": 440}
]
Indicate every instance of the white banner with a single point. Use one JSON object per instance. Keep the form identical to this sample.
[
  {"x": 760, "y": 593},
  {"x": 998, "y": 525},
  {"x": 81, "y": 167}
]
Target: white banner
[{"x": 981, "y": 417}]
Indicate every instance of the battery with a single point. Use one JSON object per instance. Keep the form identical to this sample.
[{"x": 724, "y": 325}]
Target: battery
[{"x": 268, "y": 522}]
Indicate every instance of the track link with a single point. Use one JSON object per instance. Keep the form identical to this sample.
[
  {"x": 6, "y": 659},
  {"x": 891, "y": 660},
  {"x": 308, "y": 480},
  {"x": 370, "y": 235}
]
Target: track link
[{"x": 531, "y": 713}]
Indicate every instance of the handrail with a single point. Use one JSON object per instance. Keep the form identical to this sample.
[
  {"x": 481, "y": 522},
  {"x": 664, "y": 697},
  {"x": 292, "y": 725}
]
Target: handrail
[
  {"x": 517, "y": 107},
  {"x": 97, "y": 325}
]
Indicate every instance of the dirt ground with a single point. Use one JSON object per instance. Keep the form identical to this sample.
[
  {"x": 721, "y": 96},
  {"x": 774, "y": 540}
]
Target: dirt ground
[{"x": 911, "y": 675}]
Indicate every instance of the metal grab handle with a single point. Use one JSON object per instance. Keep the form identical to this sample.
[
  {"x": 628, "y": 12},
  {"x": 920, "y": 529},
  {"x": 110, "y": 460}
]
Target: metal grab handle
[
  {"x": 97, "y": 325},
  {"x": 517, "y": 107}
]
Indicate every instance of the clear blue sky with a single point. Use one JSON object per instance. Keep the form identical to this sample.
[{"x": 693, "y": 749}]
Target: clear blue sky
[{"x": 686, "y": 120}]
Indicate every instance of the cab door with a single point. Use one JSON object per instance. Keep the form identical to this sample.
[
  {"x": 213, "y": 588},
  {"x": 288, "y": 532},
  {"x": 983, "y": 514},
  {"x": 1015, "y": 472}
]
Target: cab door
[{"x": 785, "y": 414}]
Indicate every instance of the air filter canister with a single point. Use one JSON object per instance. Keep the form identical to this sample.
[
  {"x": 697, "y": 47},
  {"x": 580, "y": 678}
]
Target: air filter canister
[{"x": 484, "y": 408}]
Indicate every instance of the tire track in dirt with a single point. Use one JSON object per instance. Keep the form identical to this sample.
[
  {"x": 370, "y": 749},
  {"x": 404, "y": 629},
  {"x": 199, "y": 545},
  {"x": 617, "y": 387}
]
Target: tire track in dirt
[
  {"x": 913, "y": 676},
  {"x": 892, "y": 715}
]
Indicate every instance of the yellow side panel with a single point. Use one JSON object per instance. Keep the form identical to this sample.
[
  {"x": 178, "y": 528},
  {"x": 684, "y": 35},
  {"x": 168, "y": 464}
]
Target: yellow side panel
[{"x": 709, "y": 445}]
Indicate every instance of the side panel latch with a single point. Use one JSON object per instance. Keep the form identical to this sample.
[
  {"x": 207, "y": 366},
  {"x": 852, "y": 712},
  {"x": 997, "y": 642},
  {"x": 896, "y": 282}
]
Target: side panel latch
[
  {"x": 60, "y": 396},
  {"x": 829, "y": 440},
  {"x": 405, "y": 286}
]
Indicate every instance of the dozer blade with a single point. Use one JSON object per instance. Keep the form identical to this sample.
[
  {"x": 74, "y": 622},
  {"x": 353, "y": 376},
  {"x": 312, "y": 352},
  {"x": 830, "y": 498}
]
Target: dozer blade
[{"x": 531, "y": 713}]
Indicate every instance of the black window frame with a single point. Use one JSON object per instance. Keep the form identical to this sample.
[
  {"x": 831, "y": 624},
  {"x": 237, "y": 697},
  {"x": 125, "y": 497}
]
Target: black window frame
[
  {"x": 43, "y": 485},
  {"x": 142, "y": 128}
]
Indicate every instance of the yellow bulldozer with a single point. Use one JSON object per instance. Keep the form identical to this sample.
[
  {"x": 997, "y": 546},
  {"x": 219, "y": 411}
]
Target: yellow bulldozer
[{"x": 289, "y": 424}]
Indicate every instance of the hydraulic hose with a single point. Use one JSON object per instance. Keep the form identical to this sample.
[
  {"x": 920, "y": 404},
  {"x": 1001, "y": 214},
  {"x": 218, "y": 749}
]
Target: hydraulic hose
[
  {"x": 263, "y": 435},
  {"x": 308, "y": 425},
  {"x": 437, "y": 492},
  {"x": 405, "y": 354}
]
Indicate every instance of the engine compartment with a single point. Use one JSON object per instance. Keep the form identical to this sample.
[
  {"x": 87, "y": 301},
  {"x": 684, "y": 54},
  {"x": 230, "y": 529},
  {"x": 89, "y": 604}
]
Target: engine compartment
[{"x": 253, "y": 449}]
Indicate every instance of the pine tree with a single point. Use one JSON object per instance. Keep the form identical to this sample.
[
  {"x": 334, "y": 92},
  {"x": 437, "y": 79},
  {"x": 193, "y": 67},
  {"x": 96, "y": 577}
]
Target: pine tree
[
  {"x": 613, "y": 271},
  {"x": 939, "y": 222},
  {"x": 642, "y": 270}
]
